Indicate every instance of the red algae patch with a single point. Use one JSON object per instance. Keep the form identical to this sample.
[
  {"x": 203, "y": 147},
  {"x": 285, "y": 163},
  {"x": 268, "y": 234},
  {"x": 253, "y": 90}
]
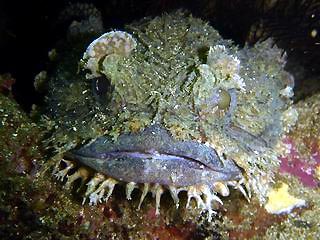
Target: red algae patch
[{"x": 303, "y": 157}]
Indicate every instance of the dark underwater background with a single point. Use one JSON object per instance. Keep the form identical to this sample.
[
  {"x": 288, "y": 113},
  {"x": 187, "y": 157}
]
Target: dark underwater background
[{"x": 29, "y": 29}]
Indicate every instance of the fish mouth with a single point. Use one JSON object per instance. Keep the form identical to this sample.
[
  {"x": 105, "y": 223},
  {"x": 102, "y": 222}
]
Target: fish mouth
[{"x": 154, "y": 156}]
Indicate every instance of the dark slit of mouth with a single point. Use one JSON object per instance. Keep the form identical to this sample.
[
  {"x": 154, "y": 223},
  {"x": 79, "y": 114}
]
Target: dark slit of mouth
[{"x": 154, "y": 155}]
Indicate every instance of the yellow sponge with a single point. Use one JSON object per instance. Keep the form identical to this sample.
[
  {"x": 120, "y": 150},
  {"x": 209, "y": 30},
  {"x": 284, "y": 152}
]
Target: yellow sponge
[{"x": 280, "y": 201}]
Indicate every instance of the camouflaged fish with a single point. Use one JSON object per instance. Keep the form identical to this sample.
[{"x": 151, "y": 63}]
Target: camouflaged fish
[{"x": 167, "y": 105}]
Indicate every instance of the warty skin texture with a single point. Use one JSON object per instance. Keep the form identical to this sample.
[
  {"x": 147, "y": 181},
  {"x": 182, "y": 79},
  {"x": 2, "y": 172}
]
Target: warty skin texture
[{"x": 175, "y": 71}]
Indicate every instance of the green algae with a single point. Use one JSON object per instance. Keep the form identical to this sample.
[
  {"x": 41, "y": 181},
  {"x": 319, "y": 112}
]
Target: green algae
[{"x": 17, "y": 131}]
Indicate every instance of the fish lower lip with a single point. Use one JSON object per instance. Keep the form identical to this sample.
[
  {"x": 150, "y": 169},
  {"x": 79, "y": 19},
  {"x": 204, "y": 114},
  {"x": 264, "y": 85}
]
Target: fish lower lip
[{"x": 153, "y": 155}]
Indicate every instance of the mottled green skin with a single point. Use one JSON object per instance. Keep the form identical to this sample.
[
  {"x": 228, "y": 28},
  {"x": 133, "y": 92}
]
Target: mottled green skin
[{"x": 168, "y": 79}]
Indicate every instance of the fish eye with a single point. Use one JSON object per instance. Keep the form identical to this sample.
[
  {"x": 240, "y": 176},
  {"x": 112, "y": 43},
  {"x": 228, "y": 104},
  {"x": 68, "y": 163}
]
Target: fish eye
[
  {"x": 102, "y": 89},
  {"x": 224, "y": 99},
  {"x": 101, "y": 85}
]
